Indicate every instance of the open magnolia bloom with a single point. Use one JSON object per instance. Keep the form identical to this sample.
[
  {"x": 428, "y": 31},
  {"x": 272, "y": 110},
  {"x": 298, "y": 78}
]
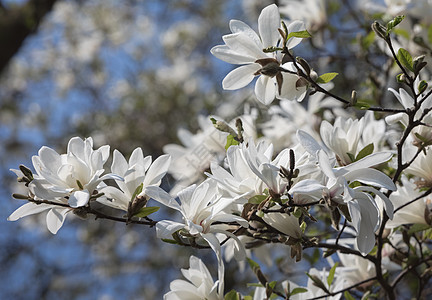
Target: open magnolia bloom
[
  {"x": 201, "y": 206},
  {"x": 200, "y": 284},
  {"x": 336, "y": 191},
  {"x": 245, "y": 47},
  {"x": 138, "y": 173},
  {"x": 68, "y": 179},
  {"x": 417, "y": 212},
  {"x": 422, "y": 133}
]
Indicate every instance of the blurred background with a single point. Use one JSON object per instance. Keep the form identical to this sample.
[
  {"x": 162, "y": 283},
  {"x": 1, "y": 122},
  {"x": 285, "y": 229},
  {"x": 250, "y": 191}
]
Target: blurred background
[{"x": 130, "y": 73}]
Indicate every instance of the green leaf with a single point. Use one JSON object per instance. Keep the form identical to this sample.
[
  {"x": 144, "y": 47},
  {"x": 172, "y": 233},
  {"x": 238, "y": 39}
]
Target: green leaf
[
  {"x": 351, "y": 156},
  {"x": 405, "y": 59},
  {"x": 331, "y": 274},
  {"x": 428, "y": 234},
  {"x": 138, "y": 190},
  {"x": 317, "y": 282},
  {"x": 299, "y": 34},
  {"x": 362, "y": 105},
  {"x": 327, "y": 77},
  {"x": 348, "y": 296},
  {"x": 430, "y": 34},
  {"x": 418, "y": 227},
  {"x": 232, "y": 295},
  {"x": 252, "y": 264},
  {"x": 257, "y": 199},
  {"x": 393, "y": 23},
  {"x": 403, "y": 33},
  {"x": 145, "y": 211},
  {"x": 367, "y": 150},
  {"x": 247, "y": 297},
  {"x": 230, "y": 141},
  {"x": 298, "y": 290},
  {"x": 422, "y": 86},
  {"x": 272, "y": 284},
  {"x": 170, "y": 241}
]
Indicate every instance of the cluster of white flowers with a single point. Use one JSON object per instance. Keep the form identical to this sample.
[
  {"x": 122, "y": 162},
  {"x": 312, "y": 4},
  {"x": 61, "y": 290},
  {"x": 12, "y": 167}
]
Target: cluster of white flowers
[{"x": 233, "y": 184}]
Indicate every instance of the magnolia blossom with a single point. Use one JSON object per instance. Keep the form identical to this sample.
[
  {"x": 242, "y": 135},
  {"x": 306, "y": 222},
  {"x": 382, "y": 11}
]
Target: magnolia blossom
[
  {"x": 69, "y": 178},
  {"x": 245, "y": 47},
  {"x": 200, "y": 284},
  {"x": 287, "y": 224},
  {"x": 200, "y": 206},
  {"x": 312, "y": 12},
  {"x": 420, "y": 133},
  {"x": 342, "y": 137},
  {"x": 422, "y": 168},
  {"x": 414, "y": 213},
  {"x": 139, "y": 170},
  {"x": 339, "y": 282}
]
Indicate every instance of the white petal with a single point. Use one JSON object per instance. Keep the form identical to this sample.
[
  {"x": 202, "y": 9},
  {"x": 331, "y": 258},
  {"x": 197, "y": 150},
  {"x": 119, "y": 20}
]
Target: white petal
[
  {"x": 157, "y": 170},
  {"x": 79, "y": 198},
  {"x": 237, "y": 26},
  {"x": 369, "y": 161},
  {"x": 240, "y": 77},
  {"x": 165, "y": 228},
  {"x": 119, "y": 165},
  {"x": 268, "y": 24},
  {"x": 372, "y": 177},
  {"x": 289, "y": 91},
  {"x": 244, "y": 45},
  {"x": 308, "y": 142},
  {"x": 27, "y": 210},
  {"x": 265, "y": 89},
  {"x": 161, "y": 196},
  {"x": 228, "y": 55},
  {"x": 287, "y": 224},
  {"x": 55, "y": 219}
]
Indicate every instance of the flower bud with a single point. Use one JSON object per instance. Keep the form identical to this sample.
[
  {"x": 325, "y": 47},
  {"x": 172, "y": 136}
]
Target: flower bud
[{"x": 380, "y": 30}]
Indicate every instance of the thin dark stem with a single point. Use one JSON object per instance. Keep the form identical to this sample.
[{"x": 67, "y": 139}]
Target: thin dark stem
[
  {"x": 345, "y": 289},
  {"x": 426, "y": 193}
]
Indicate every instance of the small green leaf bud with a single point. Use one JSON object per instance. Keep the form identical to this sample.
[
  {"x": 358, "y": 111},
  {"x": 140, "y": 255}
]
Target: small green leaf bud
[
  {"x": 380, "y": 30},
  {"x": 353, "y": 97},
  {"x": 422, "y": 86}
]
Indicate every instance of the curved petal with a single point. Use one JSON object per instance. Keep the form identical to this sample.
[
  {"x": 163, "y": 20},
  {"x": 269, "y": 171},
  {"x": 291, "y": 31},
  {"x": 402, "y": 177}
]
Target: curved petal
[
  {"x": 157, "y": 170},
  {"x": 242, "y": 43},
  {"x": 79, "y": 198},
  {"x": 268, "y": 24},
  {"x": 161, "y": 196},
  {"x": 55, "y": 219},
  {"x": 240, "y": 77},
  {"x": 265, "y": 89},
  {"x": 239, "y": 26},
  {"x": 27, "y": 210},
  {"x": 228, "y": 55},
  {"x": 165, "y": 228}
]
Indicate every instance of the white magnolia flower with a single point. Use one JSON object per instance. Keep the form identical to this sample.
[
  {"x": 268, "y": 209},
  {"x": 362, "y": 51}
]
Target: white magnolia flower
[
  {"x": 422, "y": 167},
  {"x": 201, "y": 206},
  {"x": 339, "y": 282},
  {"x": 245, "y": 47},
  {"x": 68, "y": 179},
  {"x": 287, "y": 224},
  {"x": 355, "y": 268},
  {"x": 312, "y": 12},
  {"x": 200, "y": 284},
  {"x": 408, "y": 102},
  {"x": 139, "y": 170},
  {"x": 342, "y": 137},
  {"x": 415, "y": 212}
]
